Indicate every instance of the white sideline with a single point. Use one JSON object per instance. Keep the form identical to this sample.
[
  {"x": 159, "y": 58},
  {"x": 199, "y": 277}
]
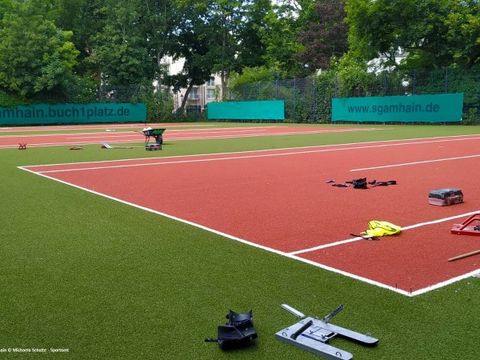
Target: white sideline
[
  {"x": 417, "y": 162},
  {"x": 273, "y": 153}
]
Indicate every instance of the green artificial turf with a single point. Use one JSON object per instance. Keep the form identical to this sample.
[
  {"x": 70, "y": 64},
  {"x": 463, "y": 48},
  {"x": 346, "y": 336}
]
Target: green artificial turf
[{"x": 109, "y": 281}]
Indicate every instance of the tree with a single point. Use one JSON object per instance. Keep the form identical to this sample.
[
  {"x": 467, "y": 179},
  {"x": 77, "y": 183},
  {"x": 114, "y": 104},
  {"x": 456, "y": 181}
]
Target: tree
[
  {"x": 120, "y": 48},
  {"x": 463, "y": 34},
  {"x": 433, "y": 33},
  {"x": 251, "y": 49},
  {"x": 325, "y": 34},
  {"x": 189, "y": 40},
  {"x": 85, "y": 18},
  {"x": 35, "y": 56},
  {"x": 283, "y": 24},
  {"x": 231, "y": 29},
  {"x": 158, "y": 21}
]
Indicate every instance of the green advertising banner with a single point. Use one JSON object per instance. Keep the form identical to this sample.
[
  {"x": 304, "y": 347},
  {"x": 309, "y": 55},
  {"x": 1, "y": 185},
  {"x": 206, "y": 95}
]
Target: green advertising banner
[
  {"x": 438, "y": 108},
  {"x": 39, "y": 114},
  {"x": 247, "y": 110}
]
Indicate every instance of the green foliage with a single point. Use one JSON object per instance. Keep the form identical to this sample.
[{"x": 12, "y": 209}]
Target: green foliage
[
  {"x": 232, "y": 30},
  {"x": 325, "y": 89},
  {"x": 298, "y": 97},
  {"x": 159, "y": 104},
  {"x": 35, "y": 56},
  {"x": 81, "y": 89},
  {"x": 64, "y": 50},
  {"x": 250, "y": 75},
  {"x": 463, "y": 34},
  {"x": 121, "y": 51},
  {"x": 352, "y": 76},
  {"x": 280, "y": 36},
  {"x": 434, "y": 33},
  {"x": 324, "y": 35},
  {"x": 309, "y": 99},
  {"x": 471, "y": 117},
  {"x": 262, "y": 90},
  {"x": 7, "y": 99},
  {"x": 253, "y": 83}
]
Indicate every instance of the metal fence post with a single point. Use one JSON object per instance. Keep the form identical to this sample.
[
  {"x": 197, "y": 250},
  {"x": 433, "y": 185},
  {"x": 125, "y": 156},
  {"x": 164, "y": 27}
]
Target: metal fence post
[
  {"x": 294, "y": 100},
  {"x": 314, "y": 115}
]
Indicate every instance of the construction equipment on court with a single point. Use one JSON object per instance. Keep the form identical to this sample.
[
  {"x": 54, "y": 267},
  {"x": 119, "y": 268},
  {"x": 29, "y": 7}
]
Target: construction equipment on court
[
  {"x": 463, "y": 256},
  {"x": 237, "y": 332},
  {"x": 445, "y": 197},
  {"x": 22, "y": 146},
  {"x": 313, "y": 334},
  {"x": 157, "y": 134},
  {"x": 471, "y": 226}
]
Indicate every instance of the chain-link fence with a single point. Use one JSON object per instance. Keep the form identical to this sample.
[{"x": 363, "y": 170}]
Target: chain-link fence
[{"x": 309, "y": 99}]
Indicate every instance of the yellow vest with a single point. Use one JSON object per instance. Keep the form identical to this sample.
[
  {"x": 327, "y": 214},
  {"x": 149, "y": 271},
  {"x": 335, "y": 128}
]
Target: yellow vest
[{"x": 377, "y": 228}]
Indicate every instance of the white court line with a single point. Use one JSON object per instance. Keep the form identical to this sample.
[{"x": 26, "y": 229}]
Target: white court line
[
  {"x": 417, "y": 162},
  {"x": 176, "y": 137},
  {"x": 63, "y": 134},
  {"x": 295, "y": 151},
  {"x": 408, "y": 141},
  {"x": 69, "y": 143},
  {"x": 102, "y": 136},
  {"x": 358, "y": 238},
  {"x": 105, "y": 127},
  {"x": 93, "y": 134}
]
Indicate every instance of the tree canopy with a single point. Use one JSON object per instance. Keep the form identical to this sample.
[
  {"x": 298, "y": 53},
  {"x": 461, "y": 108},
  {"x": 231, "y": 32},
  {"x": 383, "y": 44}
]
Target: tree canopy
[
  {"x": 433, "y": 33},
  {"x": 50, "y": 46},
  {"x": 35, "y": 55}
]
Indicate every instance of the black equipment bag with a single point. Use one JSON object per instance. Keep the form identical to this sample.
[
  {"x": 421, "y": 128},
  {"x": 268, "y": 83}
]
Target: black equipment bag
[
  {"x": 237, "y": 332},
  {"x": 360, "y": 183}
]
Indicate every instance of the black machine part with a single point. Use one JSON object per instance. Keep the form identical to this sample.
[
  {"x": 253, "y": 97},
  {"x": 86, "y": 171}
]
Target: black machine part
[{"x": 237, "y": 332}]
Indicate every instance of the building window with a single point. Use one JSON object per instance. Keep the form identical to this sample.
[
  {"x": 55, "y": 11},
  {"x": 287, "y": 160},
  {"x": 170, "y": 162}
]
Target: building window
[
  {"x": 211, "y": 81},
  {"x": 194, "y": 94},
  {"x": 210, "y": 93}
]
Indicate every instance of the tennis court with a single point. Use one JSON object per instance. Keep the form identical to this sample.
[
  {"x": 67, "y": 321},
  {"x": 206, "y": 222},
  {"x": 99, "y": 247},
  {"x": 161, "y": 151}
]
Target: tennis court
[{"x": 280, "y": 201}]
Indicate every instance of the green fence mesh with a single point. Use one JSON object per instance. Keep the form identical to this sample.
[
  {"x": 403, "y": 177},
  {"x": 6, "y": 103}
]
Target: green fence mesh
[{"x": 310, "y": 99}]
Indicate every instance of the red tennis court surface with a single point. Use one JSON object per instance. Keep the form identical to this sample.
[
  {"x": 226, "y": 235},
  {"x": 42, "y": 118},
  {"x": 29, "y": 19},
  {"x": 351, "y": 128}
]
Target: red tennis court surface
[
  {"x": 111, "y": 135},
  {"x": 279, "y": 200}
]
